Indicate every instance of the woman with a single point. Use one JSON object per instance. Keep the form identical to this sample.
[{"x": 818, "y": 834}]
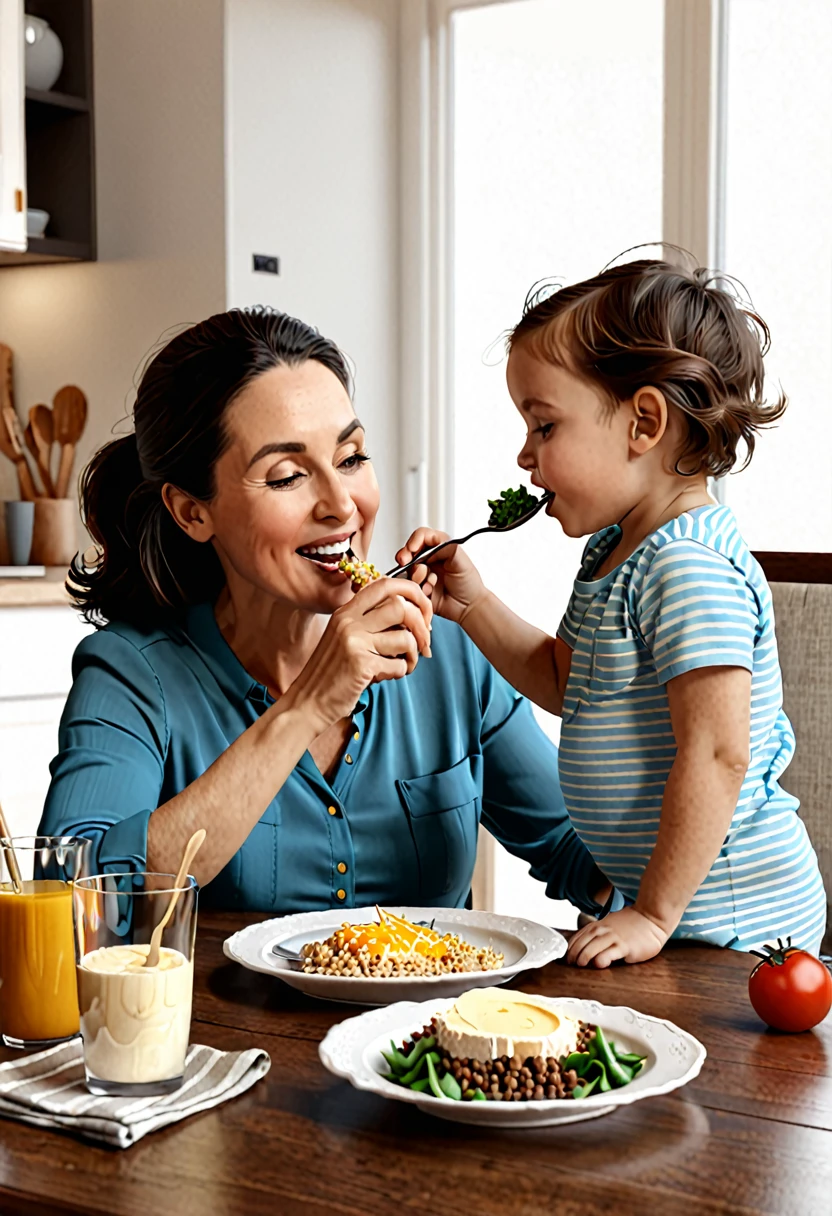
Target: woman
[{"x": 339, "y": 749}]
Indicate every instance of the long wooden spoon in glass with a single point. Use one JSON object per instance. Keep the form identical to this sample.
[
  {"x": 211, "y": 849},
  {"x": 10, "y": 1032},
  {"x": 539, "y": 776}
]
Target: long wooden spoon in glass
[{"x": 191, "y": 849}]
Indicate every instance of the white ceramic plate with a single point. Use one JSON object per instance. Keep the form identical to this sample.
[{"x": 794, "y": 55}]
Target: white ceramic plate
[
  {"x": 352, "y": 1050},
  {"x": 524, "y": 943}
]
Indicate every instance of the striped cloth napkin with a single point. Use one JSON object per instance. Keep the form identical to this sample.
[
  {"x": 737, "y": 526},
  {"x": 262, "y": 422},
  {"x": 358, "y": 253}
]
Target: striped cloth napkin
[{"x": 48, "y": 1089}]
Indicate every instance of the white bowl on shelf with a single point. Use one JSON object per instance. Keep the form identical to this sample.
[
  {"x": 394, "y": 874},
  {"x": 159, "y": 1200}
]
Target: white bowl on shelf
[{"x": 36, "y": 222}]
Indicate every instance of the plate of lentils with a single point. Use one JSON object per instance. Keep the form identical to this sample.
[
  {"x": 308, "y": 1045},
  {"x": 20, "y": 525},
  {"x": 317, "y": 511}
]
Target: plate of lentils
[{"x": 618, "y": 1056}]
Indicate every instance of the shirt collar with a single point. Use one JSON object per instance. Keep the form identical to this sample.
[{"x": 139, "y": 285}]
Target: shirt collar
[{"x": 204, "y": 632}]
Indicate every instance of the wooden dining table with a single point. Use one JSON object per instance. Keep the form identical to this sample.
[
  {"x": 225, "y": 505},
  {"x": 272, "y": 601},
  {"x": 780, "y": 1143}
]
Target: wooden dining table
[{"x": 751, "y": 1134}]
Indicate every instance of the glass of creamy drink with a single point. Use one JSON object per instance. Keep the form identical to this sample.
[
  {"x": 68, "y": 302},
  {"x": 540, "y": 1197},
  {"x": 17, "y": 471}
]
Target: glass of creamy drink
[
  {"x": 135, "y": 1019},
  {"x": 38, "y": 994}
]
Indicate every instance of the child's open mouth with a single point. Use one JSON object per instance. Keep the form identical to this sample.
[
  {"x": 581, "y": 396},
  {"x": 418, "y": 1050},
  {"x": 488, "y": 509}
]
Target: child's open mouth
[{"x": 327, "y": 556}]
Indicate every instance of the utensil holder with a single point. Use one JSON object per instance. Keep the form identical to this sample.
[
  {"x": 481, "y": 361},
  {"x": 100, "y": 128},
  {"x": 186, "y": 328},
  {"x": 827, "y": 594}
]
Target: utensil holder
[
  {"x": 19, "y": 531},
  {"x": 54, "y": 539}
]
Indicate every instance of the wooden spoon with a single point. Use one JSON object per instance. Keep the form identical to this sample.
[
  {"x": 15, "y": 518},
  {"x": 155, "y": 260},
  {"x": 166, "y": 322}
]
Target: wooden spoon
[
  {"x": 7, "y": 433},
  {"x": 40, "y": 435},
  {"x": 69, "y": 410},
  {"x": 10, "y": 855},
  {"x": 191, "y": 849},
  {"x": 11, "y": 444}
]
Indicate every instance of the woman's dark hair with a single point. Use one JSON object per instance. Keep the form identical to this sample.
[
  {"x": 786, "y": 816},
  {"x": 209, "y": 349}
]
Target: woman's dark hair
[
  {"x": 681, "y": 331},
  {"x": 148, "y": 569}
]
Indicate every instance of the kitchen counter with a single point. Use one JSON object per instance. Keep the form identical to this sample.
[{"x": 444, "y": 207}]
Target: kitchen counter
[{"x": 45, "y": 592}]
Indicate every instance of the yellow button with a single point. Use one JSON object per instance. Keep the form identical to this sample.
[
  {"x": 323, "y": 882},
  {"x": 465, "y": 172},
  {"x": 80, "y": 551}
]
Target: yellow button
[
  {"x": 341, "y": 894},
  {"x": 342, "y": 868},
  {"x": 333, "y": 810},
  {"x": 348, "y": 759},
  {"x": 357, "y": 735}
]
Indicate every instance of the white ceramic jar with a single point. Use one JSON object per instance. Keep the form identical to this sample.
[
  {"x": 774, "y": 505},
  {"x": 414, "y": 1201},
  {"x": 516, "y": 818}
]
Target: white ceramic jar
[{"x": 44, "y": 53}]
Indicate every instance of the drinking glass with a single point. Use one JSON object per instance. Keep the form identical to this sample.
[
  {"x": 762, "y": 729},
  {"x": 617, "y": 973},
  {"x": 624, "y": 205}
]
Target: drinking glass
[
  {"x": 38, "y": 993},
  {"x": 135, "y": 1020}
]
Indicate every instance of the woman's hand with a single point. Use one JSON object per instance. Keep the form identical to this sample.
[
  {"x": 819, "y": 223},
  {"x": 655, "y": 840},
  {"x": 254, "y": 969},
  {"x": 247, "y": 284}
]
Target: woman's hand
[
  {"x": 627, "y": 935},
  {"x": 378, "y": 636},
  {"x": 450, "y": 579}
]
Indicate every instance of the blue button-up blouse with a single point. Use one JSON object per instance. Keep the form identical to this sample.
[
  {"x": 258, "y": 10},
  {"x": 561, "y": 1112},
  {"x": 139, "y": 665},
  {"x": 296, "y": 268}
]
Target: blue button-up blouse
[{"x": 429, "y": 758}]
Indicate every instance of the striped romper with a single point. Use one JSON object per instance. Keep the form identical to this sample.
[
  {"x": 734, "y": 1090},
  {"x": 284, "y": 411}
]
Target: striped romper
[{"x": 690, "y": 596}]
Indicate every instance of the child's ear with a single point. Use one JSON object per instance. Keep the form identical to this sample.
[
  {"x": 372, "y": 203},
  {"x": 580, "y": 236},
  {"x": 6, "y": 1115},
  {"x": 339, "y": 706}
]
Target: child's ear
[{"x": 648, "y": 420}]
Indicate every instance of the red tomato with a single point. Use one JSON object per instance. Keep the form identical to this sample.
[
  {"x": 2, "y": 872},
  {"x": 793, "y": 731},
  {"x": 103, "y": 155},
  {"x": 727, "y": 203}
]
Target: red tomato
[{"x": 790, "y": 989}]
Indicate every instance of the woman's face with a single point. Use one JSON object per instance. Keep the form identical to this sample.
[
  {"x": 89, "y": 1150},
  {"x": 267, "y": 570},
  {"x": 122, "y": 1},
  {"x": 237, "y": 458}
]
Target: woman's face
[{"x": 295, "y": 478}]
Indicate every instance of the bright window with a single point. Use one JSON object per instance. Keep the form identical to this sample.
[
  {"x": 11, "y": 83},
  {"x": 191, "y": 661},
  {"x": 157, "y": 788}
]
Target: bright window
[
  {"x": 778, "y": 241},
  {"x": 557, "y": 168}
]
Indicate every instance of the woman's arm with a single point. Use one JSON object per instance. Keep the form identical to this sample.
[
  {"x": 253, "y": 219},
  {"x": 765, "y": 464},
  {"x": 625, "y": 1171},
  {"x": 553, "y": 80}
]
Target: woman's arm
[
  {"x": 534, "y": 663},
  {"x": 109, "y": 772},
  {"x": 710, "y": 711}
]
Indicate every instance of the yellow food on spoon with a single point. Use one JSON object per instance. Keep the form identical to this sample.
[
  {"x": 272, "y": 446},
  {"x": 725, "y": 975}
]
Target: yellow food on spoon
[{"x": 360, "y": 572}]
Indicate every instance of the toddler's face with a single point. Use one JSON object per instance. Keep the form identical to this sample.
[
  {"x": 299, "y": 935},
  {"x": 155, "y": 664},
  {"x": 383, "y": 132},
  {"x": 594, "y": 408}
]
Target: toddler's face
[{"x": 575, "y": 444}]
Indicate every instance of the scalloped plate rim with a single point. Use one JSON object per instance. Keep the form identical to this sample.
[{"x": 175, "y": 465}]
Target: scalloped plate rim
[{"x": 595, "y": 1103}]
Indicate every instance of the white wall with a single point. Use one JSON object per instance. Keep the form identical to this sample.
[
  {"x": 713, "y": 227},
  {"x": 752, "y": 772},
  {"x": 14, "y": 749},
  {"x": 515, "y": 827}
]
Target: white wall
[
  {"x": 159, "y": 148},
  {"x": 312, "y": 176}
]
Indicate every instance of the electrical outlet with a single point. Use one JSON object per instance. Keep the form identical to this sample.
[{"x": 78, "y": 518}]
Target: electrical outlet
[{"x": 266, "y": 263}]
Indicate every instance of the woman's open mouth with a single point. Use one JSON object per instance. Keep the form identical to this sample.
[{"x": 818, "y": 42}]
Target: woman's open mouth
[{"x": 327, "y": 556}]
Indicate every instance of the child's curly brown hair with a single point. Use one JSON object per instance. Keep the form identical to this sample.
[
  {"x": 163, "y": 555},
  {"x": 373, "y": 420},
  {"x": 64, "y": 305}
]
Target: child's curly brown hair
[{"x": 650, "y": 322}]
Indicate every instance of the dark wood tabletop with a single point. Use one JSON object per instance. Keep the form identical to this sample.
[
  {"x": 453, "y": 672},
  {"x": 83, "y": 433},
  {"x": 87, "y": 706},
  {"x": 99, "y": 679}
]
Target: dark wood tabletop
[{"x": 752, "y": 1134}]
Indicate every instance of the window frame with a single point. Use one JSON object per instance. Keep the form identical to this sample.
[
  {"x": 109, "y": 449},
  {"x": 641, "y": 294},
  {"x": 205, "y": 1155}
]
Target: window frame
[{"x": 692, "y": 209}]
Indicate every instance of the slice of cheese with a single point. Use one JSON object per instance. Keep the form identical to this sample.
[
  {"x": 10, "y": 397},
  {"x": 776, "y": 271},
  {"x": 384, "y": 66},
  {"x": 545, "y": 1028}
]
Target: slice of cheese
[{"x": 486, "y": 1023}]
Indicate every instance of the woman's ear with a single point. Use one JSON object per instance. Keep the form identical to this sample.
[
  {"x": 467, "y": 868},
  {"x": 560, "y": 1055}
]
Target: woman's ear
[
  {"x": 192, "y": 516},
  {"x": 648, "y": 420}
]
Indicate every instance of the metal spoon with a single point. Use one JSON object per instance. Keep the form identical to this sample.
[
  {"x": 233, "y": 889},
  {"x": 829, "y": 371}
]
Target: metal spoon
[
  {"x": 426, "y": 553},
  {"x": 294, "y": 956}
]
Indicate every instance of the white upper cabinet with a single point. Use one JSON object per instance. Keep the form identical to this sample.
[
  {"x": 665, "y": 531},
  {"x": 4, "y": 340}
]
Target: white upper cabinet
[{"x": 12, "y": 128}]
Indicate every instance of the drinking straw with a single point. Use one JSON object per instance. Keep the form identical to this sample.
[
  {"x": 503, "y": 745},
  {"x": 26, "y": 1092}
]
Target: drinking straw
[{"x": 10, "y": 855}]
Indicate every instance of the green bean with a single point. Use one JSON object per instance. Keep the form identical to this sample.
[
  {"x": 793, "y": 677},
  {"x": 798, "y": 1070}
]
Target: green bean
[
  {"x": 421, "y": 1086},
  {"x": 398, "y": 1062},
  {"x": 629, "y": 1057},
  {"x": 619, "y": 1074},
  {"x": 597, "y": 1065},
  {"x": 450, "y": 1087},
  {"x": 583, "y": 1091},
  {"x": 436, "y": 1088},
  {"x": 579, "y": 1060},
  {"x": 479, "y": 1096},
  {"x": 419, "y": 1067}
]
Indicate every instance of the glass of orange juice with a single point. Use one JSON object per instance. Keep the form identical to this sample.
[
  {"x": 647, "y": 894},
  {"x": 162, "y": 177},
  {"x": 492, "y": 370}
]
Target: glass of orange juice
[{"x": 38, "y": 989}]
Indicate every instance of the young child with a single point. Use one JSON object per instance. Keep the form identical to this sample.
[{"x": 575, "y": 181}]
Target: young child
[{"x": 636, "y": 386}]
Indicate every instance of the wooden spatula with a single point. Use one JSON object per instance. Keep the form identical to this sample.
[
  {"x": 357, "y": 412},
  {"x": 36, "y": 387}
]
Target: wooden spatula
[
  {"x": 13, "y": 448},
  {"x": 69, "y": 412},
  {"x": 40, "y": 434},
  {"x": 8, "y": 444}
]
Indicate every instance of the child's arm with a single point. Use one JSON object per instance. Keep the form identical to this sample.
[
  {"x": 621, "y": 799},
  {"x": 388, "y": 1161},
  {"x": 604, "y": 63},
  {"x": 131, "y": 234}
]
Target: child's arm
[
  {"x": 710, "y": 711},
  {"x": 534, "y": 663}
]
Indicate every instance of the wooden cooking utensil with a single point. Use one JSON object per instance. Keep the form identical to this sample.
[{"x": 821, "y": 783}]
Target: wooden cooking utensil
[
  {"x": 191, "y": 849},
  {"x": 7, "y": 436},
  {"x": 40, "y": 434},
  {"x": 10, "y": 855},
  {"x": 69, "y": 411},
  {"x": 11, "y": 444}
]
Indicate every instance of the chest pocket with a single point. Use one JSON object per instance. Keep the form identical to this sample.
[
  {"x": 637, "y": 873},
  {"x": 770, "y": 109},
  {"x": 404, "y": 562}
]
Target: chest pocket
[
  {"x": 444, "y": 812},
  {"x": 609, "y": 656}
]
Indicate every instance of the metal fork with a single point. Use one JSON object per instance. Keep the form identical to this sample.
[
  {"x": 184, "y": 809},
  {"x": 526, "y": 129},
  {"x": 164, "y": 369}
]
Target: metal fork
[{"x": 426, "y": 553}]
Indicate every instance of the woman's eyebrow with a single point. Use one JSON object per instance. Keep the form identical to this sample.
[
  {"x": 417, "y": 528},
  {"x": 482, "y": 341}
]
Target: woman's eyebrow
[
  {"x": 355, "y": 425},
  {"x": 268, "y": 448}
]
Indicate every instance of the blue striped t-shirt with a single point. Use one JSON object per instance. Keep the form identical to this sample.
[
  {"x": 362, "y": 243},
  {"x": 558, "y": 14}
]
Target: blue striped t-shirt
[{"x": 690, "y": 596}]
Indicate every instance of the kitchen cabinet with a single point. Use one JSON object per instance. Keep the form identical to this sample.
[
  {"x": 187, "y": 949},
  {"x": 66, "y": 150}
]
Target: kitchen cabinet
[
  {"x": 12, "y": 128},
  {"x": 35, "y": 677},
  {"x": 47, "y": 138}
]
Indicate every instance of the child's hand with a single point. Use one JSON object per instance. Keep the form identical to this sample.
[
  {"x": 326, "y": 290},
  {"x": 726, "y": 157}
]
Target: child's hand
[
  {"x": 450, "y": 580},
  {"x": 627, "y": 934}
]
